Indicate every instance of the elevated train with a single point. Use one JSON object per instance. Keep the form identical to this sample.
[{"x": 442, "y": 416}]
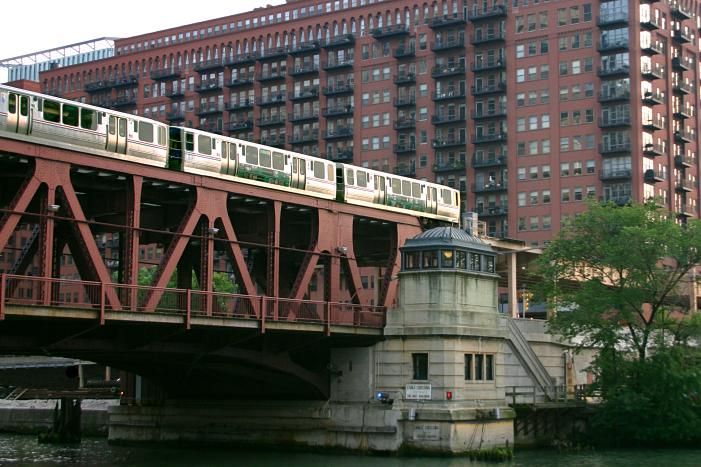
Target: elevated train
[{"x": 86, "y": 128}]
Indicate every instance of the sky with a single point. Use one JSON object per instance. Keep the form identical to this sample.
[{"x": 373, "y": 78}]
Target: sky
[{"x": 46, "y": 24}]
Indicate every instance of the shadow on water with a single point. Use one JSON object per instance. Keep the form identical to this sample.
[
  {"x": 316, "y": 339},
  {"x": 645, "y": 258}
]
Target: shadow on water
[{"x": 23, "y": 450}]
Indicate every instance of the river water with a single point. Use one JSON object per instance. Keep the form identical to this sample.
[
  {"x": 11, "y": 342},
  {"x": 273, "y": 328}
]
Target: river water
[{"x": 21, "y": 450}]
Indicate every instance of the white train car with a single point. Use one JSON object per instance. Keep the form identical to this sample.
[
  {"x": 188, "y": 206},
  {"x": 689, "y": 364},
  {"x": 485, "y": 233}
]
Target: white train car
[{"x": 82, "y": 127}]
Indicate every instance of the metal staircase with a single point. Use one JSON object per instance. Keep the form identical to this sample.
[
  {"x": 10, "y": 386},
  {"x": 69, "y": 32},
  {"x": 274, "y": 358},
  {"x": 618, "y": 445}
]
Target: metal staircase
[{"x": 529, "y": 360}]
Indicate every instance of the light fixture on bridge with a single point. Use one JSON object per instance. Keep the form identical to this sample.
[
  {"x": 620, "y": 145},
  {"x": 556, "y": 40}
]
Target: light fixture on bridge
[
  {"x": 343, "y": 250},
  {"x": 53, "y": 207},
  {"x": 213, "y": 230}
]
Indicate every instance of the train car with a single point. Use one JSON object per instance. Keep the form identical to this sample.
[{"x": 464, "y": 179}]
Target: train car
[
  {"x": 366, "y": 187},
  {"x": 81, "y": 127},
  {"x": 197, "y": 151}
]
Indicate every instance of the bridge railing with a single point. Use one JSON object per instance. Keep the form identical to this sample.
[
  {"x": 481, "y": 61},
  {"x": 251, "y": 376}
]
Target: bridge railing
[{"x": 77, "y": 294}]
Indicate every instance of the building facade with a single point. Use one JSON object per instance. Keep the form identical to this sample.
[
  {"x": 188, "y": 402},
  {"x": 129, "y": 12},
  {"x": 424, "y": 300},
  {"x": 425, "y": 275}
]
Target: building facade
[{"x": 528, "y": 107}]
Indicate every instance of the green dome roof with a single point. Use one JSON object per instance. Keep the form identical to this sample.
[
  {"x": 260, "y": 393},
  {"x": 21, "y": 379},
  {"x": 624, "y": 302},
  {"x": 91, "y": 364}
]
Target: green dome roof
[{"x": 446, "y": 236}]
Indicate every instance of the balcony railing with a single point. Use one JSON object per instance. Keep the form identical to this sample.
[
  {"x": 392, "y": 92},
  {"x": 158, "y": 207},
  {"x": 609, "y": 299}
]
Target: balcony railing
[
  {"x": 444, "y": 21},
  {"x": 440, "y": 71},
  {"x": 275, "y": 52},
  {"x": 339, "y": 132},
  {"x": 271, "y": 75},
  {"x": 614, "y": 148},
  {"x": 209, "y": 86},
  {"x": 304, "y": 137},
  {"x": 165, "y": 73},
  {"x": 684, "y": 162},
  {"x": 305, "y": 93},
  {"x": 304, "y": 47},
  {"x": 653, "y": 150},
  {"x": 489, "y": 138},
  {"x": 339, "y": 41},
  {"x": 654, "y": 123},
  {"x": 682, "y": 88},
  {"x": 273, "y": 98},
  {"x": 614, "y": 94},
  {"x": 403, "y": 101},
  {"x": 653, "y": 98},
  {"x": 613, "y": 18},
  {"x": 404, "y": 147},
  {"x": 209, "y": 109},
  {"x": 481, "y": 14},
  {"x": 442, "y": 142},
  {"x": 457, "y": 42},
  {"x": 443, "y": 119},
  {"x": 613, "y": 121},
  {"x": 486, "y": 65},
  {"x": 404, "y": 123},
  {"x": 447, "y": 94},
  {"x": 614, "y": 174},
  {"x": 480, "y": 38},
  {"x": 499, "y": 87},
  {"x": 405, "y": 51},
  {"x": 488, "y": 161},
  {"x": 338, "y": 64},
  {"x": 272, "y": 120},
  {"x": 496, "y": 112},
  {"x": 338, "y": 88},
  {"x": 684, "y": 185},
  {"x": 338, "y": 110},
  {"x": 239, "y": 105},
  {"x": 389, "y": 31},
  {"x": 683, "y": 136},
  {"x": 490, "y": 186},
  {"x": 241, "y": 81},
  {"x": 209, "y": 65},
  {"x": 613, "y": 70},
  {"x": 449, "y": 166},
  {"x": 238, "y": 125},
  {"x": 303, "y": 69},
  {"x": 339, "y": 155},
  {"x": 304, "y": 116},
  {"x": 404, "y": 78},
  {"x": 488, "y": 211},
  {"x": 652, "y": 71}
]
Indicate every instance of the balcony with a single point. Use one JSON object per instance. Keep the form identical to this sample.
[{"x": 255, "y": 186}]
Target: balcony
[
  {"x": 123, "y": 101},
  {"x": 242, "y": 104},
  {"x": 404, "y": 51},
  {"x": 653, "y": 98},
  {"x": 449, "y": 166},
  {"x": 211, "y": 127},
  {"x": 404, "y": 147},
  {"x": 489, "y": 138},
  {"x": 339, "y": 132},
  {"x": 650, "y": 24},
  {"x": 448, "y": 94},
  {"x": 616, "y": 18},
  {"x": 405, "y": 170},
  {"x": 682, "y": 64},
  {"x": 404, "y": 123},
  {"x": 684, "y": 162},
  {"x": 491, "y": 211},
  {"x": 447, "y": 142},
  {"x": 652, "y": 71},
  {"x": 209, "y": 110},
  {"x": 480, "y": 90},
  {"x": 614, "y": 121},
  {"x": 339, "y": 41},
  {"x": 175, "y": 116},
  {"x": 488, "y": 65},
  {"x": 241, "y": 59},
  {"x": 654, "y": 176},
  {"x": 209, "y": 86},
  {"x": 439, "y": 71},
  {"x": 241, "y": 81},
  {"x": 681, "y": 36},
  {"x": 497, "y": 112},
  {"x": 274, "y": 98},
  {"x": 389, "y": 31},
  {"x": 613, "y": 71},
  {"x": 165, "y": 73},
  {"x": 303, "y": 137},
  {"x": 652, "y": 124},
  {"x": 404, "y": 78},
  {"x": 488, "y": 161},
  {"x": 304, "y": 116},
  {"x": 209, "y": 65},
  {"x": 272, "y": 75},
  {"x": 614, "y": 94},
  {"x": 612, "y": 45},
  {"x": 124, "y": 81},
  {"x": 240, "y": 125},
  {"x": 338, "y": 110},
  {"x": 684, "y": 185},
  {"x": 491, "y": 186},
  {"x": 304, "y": 47},
  {"x": 271, "y": 121},
  {"x": 338, "y": 88},
  {"x": 447, "y": 119},
  {"x": 338, "y": 65},
  {"x": 681, "y": 88},
  {"x": 686, "y": 210},
  {"x": 611, "y": 149},
  {"x": 482, "y": 38},
  {"x": 304, "y": 69},
  {"x": 653, "y": 48},
  {"x": 276, "y": 52},
  {"x": 340, "y": 155},
  {"x": 404, "y": 101},
  {"x": 445, "y": 21},
  {"x": 482, "y": 14},
  {"x": 683, "y": 136},
  {"x": 275, "y": 140},
  {"x": 683, "y": 112},
  {"x": 456, "y": 42},
  {"x": 614, "y": 174},
  {"x": 175, "y": 93},
  {"x": 653, "y": 150},
  {"x": 309, "y": 92},
  {"x": 679, "y": 11}
]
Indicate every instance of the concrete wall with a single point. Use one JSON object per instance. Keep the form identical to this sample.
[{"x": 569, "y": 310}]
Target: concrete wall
[{"x": 37, "y": 416}]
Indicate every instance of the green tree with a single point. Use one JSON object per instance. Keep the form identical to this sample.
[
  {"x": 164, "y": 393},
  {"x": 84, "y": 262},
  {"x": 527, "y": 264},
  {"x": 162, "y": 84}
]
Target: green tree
[{"x": 618, "y": 278}]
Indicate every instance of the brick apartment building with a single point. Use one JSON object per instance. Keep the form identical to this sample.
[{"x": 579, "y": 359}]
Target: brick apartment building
[{"x": 527, "y": 106}]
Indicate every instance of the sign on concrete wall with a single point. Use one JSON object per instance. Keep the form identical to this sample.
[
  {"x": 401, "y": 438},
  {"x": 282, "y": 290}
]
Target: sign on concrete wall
[
  {"x": 427, "y": 432},
  {"x": 418, "y": 392}
]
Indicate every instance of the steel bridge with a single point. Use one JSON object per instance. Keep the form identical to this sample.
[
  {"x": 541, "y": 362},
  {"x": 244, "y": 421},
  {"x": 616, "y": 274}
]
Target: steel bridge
[{"x": 155, "y": 271}]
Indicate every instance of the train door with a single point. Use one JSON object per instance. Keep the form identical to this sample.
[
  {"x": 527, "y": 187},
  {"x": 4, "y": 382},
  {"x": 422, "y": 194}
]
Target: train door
[
  {"x": 117, "y": 135},
  {"x": 18, "y": 115},
  {"x": 299, "y": 173},
  {"x": 224, "y": 165},
  {"x": 175, "y": 149},
  {"x": 431, "y": 200},
  {"x": 380, "y": 190}
]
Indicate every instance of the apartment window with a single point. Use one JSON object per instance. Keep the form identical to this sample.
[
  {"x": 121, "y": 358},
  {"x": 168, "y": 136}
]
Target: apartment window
[
  {"x": 545, "y": 171},
  {"x": 546, "y": 196},
  {"x": 576, "y": 168},
  {"x": 591, "y": 191},
  {"x": 565, "y": 195},
  {"x": 534, "y": 222},
  {"x": 520, "y": 51},
  {"x": 545, "y": 121},
  {"x": 591, "y": 166},
  {"x": 420, "y": 366},
  {"x": 545, "y": 146},
  {"x": 564, "y": 143},
  {"x": 479, "y": 367},
  {"x": 565, "y": 169},
  {"x": 533, "y": 198},
  {"x": 547, "y": 222},
  {"x": 578, "y": 194},
  {"x": 521, "y": 124},
  {"x": 533, "y": 173},
  {"x": 522, "y": 199},
  {"x": 521, "y": 173}
]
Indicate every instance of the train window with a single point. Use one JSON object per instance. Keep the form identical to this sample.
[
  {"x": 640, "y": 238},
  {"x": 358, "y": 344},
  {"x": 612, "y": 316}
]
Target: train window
[
  {"x": 161, "y": 136},
  {"x": 24, "y": 106},
  {"x": 396, "y": 186},
  {"x": 278, "y": 161},
  {"x": 252, "y": 155},
  {"x": 232, "y": 150},
  {"x": 189, "y": 142},
  {"x": 122, "y": 127},
  {"x": 446, "y": 197},
  {"x": 204, "y": 144},
  {"x": 362, "y": 178},
  {"x": 329, "y": 172},
  {"x": 406, "y": 187},
  {"x": 70, "y": 115},
  {"x": 12, "y": 103},
  {"x": 350, "y": 176},
  {"x": 52, "y": 111},
  {"x": 416, "y": 190},
  {"x": 99, "y": 118},
  {"x": 146, "y": 132},
  {"x": 87, "y": 119},
  {"x": 264, "y": 158},
  {"x": 319, "y": 169}
]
